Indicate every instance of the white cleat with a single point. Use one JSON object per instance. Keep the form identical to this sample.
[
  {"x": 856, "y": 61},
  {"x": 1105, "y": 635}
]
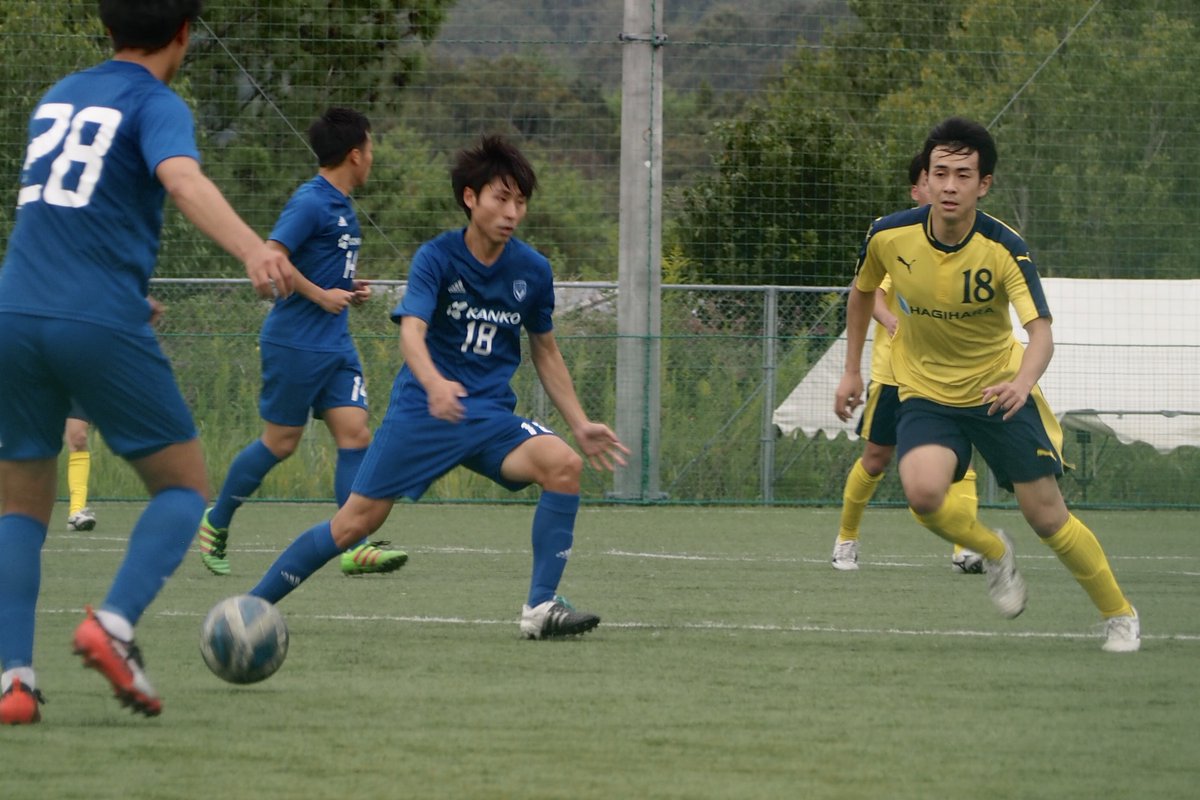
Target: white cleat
[
  {"x": 81, "y": 520},
  {"x": 967, "y": 562},
  {"x": 555, "y": 619},
  {"x": 845, "y": 554},
  {"x": 1005, "y": 585},
  {"x": 1122, "y": 634}
]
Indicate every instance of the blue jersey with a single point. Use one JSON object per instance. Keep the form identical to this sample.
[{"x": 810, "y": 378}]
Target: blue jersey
[
  {"x": 321, "y": 233},
  {"x": 475, "y": 314},
  {"x": 90, "y": 207}
]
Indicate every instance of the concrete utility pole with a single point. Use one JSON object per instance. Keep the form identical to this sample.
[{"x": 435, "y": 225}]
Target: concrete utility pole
[{"x": 639, "y": 306}]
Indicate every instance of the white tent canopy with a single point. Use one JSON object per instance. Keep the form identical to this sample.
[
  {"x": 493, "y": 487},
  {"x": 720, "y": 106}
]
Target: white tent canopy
[{"x": 1126, "y": 363}]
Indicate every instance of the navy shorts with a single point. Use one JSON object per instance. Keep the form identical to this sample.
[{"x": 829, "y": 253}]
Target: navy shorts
[
  {"x": 296, "y": 381},
  {"x": 878, "y": 421},
  {"x": 123, "y": 380},
  {"x": 409, "y": 452},
  {"x": 1023, "y": 449}
]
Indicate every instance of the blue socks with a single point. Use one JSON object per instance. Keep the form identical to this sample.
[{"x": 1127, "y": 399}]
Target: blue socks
[
  {"x": 553, "y": 534},
  {"x": 159, "y": 541},
  {"x": 307, "y": 553},
  {"x": 21, "y": 540},
  {"x": 245, "y": 475},
  {"x": 348, "y": 462}
]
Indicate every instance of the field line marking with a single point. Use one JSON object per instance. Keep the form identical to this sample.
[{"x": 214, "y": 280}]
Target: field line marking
[{"x": 703, "y": 625}]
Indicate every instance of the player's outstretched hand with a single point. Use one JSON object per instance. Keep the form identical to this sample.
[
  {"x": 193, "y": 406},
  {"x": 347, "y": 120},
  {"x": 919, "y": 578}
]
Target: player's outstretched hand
[
  {"x": 601, "y": 446},
  {"x": 849, "y": 396},
  {"x": 270, "y": 272}
]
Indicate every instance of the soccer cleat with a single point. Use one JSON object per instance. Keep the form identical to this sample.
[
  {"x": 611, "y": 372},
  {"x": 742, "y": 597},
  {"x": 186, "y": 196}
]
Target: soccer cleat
[
  {"x": 1005, "y": 585},
  {"x": 120, "y": 662},
  {"x": 1122, "y": 634},
  {"x": 845, "y": 554},
  {"x": 555, "y": 618},
  {"x": 19, "y": 705},
  {"x": 372, "y": 558},
  {"x": 212, "y": 546},
  {"x": 81, "y": 520},
  {"x": 967, "y": 562}
]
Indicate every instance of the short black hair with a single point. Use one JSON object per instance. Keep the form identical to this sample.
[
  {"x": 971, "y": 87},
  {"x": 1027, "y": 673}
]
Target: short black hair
[
  {"x": 961, "y": 135},
  {"x": 146, "y": 24},
  {"x": 915, "y": 168},
  {"x": 493, "y": 157},
  {"x": 335, "y": 133}
]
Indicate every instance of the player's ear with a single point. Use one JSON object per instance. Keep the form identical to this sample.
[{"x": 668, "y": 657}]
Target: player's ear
[{"x": 985, "y": 183}]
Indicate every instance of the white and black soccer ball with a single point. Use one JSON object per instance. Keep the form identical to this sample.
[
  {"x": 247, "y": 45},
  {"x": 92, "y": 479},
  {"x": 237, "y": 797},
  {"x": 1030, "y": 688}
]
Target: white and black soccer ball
[{"x": 244, "y": 639}]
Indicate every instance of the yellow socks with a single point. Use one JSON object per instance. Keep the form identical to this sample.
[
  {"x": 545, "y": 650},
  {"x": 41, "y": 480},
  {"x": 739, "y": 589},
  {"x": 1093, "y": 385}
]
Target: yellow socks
[
  {"x": 860, "y": 487},
  {"x": 956, "y": 522},
  {"x": 966, "y": 490},
  {"x": 1080, "y": 552},
  {"x": 79, "y": 466}
]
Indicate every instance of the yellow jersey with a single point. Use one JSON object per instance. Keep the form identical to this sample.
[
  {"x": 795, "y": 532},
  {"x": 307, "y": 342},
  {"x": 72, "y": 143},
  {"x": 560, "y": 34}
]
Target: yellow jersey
[
  {"x": 955, "y": 335},
  {"x": 881, "y": 343}
]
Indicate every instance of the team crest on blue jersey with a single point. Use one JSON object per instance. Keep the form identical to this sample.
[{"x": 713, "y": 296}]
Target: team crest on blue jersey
[{"x": 519, "y": 290}]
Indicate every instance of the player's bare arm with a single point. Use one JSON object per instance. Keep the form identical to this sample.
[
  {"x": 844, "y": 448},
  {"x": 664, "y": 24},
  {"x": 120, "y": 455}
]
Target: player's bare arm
[
  {"x": 443, "y": 394},
  {"x": 1010, "y": 396},
  {"x": 199, "y": 199},
  {"x": 333, "y": 301},
  {"x": 848, "y": 397},
  {"x": 597, "y": 441},
  {"x": 883, "y": 315}
]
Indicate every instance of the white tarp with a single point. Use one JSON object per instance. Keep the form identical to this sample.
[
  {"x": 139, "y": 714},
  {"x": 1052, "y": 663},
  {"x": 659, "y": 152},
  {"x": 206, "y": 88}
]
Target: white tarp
[{"x": 1126, "y": 363}]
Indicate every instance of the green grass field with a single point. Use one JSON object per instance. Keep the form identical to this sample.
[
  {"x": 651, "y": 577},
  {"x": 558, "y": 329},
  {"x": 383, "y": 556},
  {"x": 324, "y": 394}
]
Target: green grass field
[{"x": 732, "y": 662}]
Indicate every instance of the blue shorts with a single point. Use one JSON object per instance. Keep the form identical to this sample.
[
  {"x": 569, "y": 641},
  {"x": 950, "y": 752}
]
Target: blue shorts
[
  {"x": 878, "y": 421},
  {"x": 296, "y": 381},
  {"x": 1023, "y": 449},
  {"x": 409, "y": 452},
  {"x": 122, "y": 379}
]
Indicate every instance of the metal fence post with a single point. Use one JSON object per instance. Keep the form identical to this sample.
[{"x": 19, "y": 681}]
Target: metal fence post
[
  {"x": 770, "y": 364},
  {"x": 639, "y": 301}
]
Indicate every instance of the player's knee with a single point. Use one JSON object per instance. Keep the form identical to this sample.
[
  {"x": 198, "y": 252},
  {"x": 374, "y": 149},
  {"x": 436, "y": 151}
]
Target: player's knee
[
  {"x": 564, "y": 473},
  {"x": 875, "y": 459},
  {"x": 283, "y": 448},
  {"x": 355, "y": 440},
  {"x": 924, "y": 499},
  {"x": 358, "y": 518}
]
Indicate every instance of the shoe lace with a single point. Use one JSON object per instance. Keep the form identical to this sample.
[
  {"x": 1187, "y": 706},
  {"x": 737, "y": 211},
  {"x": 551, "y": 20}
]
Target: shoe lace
[
  {"x": 1119, "y": 627},
  {"x": 379, "y": 544}
]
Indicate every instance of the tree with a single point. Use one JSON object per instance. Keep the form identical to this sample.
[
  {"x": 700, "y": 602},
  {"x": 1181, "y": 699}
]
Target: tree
[{"x": 1097, "y": 139}]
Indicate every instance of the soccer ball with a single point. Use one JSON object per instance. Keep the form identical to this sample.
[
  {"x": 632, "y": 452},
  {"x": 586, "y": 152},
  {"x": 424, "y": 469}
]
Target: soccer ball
[{"x": 243, "y": 639}]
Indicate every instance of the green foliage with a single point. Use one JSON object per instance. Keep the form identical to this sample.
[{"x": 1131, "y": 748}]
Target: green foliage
[
  {"x": 1096, "y": 138},
  {"x": 67, "y": 40},
  {"x": 775, "y": 211}
]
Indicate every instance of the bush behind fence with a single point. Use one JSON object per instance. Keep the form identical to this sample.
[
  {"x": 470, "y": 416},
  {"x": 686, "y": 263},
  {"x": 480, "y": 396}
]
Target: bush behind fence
[{"x": 712, "y": 401}]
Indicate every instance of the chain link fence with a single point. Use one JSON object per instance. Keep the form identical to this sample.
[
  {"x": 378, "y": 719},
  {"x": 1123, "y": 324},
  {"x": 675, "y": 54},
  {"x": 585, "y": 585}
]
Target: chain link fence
[{"x": 787, "y": 125}]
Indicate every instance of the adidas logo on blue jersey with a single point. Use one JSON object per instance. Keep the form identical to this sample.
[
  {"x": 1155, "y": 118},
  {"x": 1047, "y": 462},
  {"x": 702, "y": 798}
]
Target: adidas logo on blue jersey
[
  {"x": 457, "y": 287},
  {"x": 342, "y": 222}
]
